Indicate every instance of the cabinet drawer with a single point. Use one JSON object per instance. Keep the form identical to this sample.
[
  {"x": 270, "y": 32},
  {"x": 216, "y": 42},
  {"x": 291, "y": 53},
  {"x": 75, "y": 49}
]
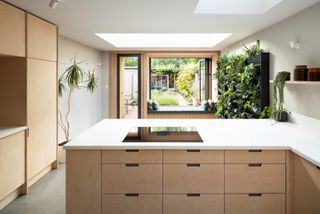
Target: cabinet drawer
[
  {"x": 193, "y": 156},
  {"x": 193, "y": 203},
  {"x": 132, "y": 204},
  {"x": 255, "y": 178},
  {"x": 193, "y": 178},
  {"x": 263, "y": 204},
  {"x": 132, "y": 156},
  {"x": 131, "y": 178},
  {"x": 255, "y": 156}
]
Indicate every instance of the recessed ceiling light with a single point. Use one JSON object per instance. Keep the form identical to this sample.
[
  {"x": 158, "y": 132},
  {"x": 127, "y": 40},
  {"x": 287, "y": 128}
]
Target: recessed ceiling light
[
  {"x": 235, "y": 6},
  {"x": 179, "y": 40}
]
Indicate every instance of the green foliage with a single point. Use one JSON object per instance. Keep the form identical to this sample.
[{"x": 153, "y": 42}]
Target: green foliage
[
  {"x": 171, "y": 65},
  {"x": 278, "y": 94},
  {"x": 266, "y": 113},
  {"x": 75, "y": 77},
  {"x": 131, "y": 62},
  {"x": 185, "y": 81},
  {"x": 238, "y": 88},
  {"x": 92, "y": 82},
  {"x": 166, "y": 98},
  {"x": 252, "y": 50}
]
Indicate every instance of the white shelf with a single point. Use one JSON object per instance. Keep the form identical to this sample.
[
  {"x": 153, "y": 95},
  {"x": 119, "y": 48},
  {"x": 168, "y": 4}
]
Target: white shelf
[{"x": 316, "y": 83}]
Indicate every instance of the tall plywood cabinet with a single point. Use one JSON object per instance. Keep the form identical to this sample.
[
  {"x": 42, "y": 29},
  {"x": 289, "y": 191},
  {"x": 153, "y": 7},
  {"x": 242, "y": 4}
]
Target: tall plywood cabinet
[
  {"x": 28, "y": 94},
  {"x": 41, "y": 94}
]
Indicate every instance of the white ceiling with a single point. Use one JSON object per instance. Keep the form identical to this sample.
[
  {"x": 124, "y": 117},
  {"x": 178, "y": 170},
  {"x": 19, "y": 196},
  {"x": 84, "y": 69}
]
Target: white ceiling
[{"x": 81, "y": 19}]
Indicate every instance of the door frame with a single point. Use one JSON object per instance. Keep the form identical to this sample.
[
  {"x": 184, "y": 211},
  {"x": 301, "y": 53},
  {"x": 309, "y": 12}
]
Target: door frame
[{"x": 118, "y": 81}]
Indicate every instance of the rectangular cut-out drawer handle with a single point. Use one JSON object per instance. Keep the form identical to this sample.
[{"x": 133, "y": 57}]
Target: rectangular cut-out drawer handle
[
  {"x": 132, "y": 150},
  {"x": 255, "y": 150},
  {"x": 318, "y": 167},
  {"x": 193, "y": 150},
  {"x": 193, "y": 165},
  {"x": 193, "y": 194},
  {"x": 254, "y": 164},
  {"x": 132, "y": 165},
  {"x": 132, "y": 195},
  {"x": 255, "y": 194}
]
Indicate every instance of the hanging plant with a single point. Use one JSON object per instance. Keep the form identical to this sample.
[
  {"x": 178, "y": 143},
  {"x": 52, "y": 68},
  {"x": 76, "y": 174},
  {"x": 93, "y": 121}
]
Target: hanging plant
[
  {"x": 278, "y": 112},
  {"x": 73, "y": 78}
]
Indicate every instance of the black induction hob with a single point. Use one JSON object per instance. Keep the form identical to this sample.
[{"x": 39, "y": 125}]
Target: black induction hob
[{"x": 159, "y": 134}]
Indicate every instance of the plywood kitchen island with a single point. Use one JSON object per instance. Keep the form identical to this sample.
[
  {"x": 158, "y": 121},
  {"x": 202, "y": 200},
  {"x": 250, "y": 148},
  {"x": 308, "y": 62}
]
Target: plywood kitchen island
[{"x": 242, "y": 166}]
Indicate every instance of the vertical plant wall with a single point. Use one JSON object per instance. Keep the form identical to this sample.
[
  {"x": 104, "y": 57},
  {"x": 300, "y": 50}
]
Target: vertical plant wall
[{"x": 243, "y": 84}]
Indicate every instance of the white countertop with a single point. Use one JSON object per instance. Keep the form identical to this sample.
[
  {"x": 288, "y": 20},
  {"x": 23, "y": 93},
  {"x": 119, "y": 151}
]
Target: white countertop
[
  {"x": 216, "y": 134},
  {"x": 6, "y": 131}
]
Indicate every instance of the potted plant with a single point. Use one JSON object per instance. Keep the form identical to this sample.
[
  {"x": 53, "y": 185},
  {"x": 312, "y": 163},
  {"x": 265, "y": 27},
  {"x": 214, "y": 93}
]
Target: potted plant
[
  {"x": 278, "y": 112},
  {"x": 73, "y": 78}
]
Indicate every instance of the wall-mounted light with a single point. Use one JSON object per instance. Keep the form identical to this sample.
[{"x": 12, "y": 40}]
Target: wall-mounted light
[
  {"x": 295, "y": 45},
  {"x": 53, "y": 3}
]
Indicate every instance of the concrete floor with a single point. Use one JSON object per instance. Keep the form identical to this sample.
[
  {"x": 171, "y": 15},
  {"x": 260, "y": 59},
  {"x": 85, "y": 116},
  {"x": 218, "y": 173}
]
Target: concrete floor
[{"x": 47, "y": 196}]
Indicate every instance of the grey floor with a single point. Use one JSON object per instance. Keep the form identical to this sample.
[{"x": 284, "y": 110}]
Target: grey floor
[{"x": 47, "y": 196}]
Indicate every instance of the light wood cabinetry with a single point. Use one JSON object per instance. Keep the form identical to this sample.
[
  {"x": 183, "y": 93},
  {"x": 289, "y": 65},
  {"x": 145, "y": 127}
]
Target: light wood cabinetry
[
  {"x": 41, "y": 115},
  {"x": 12, "y": 31},
  {"x": 13, "y": 86},
  {"x": 12, "y": 164},
  {"x": 132, "y": 156},
  {"x": 193, "y": 203},
  {"x": 132, "y": 203},
  {"x": 306, "y": 187},
  {"x": 255, "y": 178},
  {"x": 132, "y": 178},
  {"x": 255, "y": 203},
  {"x": 182, "y": 181},
  {"x": 255, "y": 156},
  {"x": 193, "y": 178},
  {"x": 28, "y": 86},
  {"x": 83, "y": 182},
  {"x": 41, "y": 39},
  {"x": 193, "y": 156}
]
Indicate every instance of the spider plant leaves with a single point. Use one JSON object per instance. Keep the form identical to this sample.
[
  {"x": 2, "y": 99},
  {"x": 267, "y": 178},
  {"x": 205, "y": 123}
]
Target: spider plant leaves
[
  {"x": 74, "y": 76},
  {"x": 61, "y": 87},
  {"x": 92, "y": 82}
]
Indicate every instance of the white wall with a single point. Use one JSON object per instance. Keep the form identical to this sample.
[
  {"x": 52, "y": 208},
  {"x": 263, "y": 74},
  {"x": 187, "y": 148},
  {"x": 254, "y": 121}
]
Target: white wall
[
  {"x": 86, "y": 108},
  {"x": 304, "y": 27},
  {"x": 105, "y": 84}
]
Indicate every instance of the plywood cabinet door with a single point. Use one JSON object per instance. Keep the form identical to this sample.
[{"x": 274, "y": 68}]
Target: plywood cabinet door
[
  {"x": 12, "y": 163},
  {"x": 12, "y": 31},
  {"x": 41, "y": 114},
  {"x": 306, "y": 187},
  {"x": 42, "y": 39}
]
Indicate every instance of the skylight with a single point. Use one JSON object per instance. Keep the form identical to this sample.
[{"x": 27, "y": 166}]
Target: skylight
[
  {"x": 235, "y": 6},
  {"x": 179, "y": 40}
]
